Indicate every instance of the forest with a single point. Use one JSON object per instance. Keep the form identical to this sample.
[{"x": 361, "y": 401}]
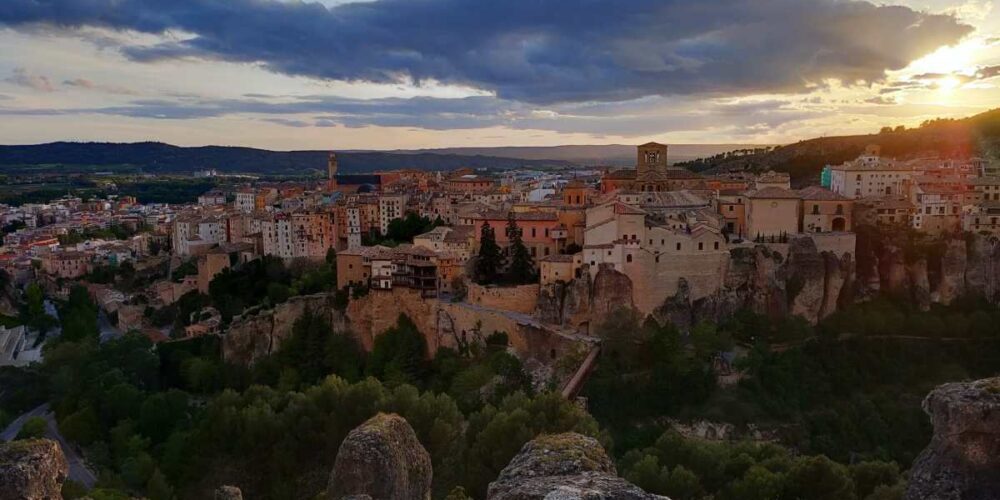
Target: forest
[{"x": 840, "y": 402}]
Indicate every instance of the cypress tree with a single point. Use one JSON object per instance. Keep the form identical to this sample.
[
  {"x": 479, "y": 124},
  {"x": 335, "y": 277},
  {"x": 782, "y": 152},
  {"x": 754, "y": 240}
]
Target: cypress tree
[
  {"x": 488, "y": 261},
  {"x": 522, "y": 266}
]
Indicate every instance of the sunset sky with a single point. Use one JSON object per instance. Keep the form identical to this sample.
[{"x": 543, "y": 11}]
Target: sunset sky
[{"x": 435, "y": 73}]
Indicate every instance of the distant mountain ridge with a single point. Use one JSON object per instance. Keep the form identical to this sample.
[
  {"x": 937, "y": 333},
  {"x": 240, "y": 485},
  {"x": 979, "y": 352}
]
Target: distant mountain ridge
[{"x": 156, "y": 157}]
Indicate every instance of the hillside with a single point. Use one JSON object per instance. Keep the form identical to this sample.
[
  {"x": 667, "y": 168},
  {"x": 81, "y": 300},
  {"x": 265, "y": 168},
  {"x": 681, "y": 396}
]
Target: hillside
[
  {"x": 166, "y": 158},
  {"x": 588, "y": 154},
  {"x": 977, "y": 135}
]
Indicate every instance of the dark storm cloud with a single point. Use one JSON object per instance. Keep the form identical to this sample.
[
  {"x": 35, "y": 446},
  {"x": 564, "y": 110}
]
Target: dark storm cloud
[{"x": 540, "y": 51}]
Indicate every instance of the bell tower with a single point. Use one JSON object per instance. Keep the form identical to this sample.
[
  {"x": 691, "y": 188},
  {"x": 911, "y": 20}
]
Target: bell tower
[
  {"x": 651, "y": 158},
  {"x": 331, "y": 171}
]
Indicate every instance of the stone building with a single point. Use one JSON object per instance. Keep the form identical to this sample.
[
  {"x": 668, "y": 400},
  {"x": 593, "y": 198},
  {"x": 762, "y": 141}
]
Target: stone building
[
  {"x": 68, "y": 264},
  {"x": 772, "y": 212},
  {"x": 654, "y": 252},
  {"x": 652, "y": 173},
  {"x": 824, "y": 211}
]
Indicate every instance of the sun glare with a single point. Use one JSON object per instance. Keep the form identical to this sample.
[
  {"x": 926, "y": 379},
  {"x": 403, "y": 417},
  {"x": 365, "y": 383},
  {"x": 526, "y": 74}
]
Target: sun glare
[{"x": 948, "y": 84}]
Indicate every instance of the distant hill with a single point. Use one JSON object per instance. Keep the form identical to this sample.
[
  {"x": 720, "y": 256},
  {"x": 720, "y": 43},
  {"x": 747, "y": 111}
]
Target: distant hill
[
  {"x": 597, "y": 154},
  {"x": 155, "y": 157},
  {"x": 978, "y": 135}
]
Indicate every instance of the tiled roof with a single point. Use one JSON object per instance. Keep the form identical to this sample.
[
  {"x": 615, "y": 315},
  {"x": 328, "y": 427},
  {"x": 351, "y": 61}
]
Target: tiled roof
[
  {"x": 817, "y": 193},
  {"x": 774, "y": 193}
]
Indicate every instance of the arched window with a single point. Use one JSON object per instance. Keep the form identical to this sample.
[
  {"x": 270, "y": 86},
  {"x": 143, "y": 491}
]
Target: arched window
[{"x": 628, "y": 258}]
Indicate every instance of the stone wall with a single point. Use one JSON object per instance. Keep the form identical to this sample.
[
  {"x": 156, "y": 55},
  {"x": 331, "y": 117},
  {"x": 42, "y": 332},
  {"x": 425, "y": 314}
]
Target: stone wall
[{"x": 520, "y": 299}]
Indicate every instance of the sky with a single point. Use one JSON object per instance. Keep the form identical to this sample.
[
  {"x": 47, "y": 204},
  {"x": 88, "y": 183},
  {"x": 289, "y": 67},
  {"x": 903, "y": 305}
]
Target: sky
[{"x": 405, "y": 74}]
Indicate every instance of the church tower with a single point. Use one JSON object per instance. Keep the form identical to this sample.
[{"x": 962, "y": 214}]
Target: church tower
[
  {"x": 331, "y": 171},
  {"x": 651, "y": 158}
]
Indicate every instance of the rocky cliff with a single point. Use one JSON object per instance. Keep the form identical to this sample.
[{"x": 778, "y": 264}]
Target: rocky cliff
[
  {"x": 799, "y": 279},
  {"x": 32, "y": 470},
  {"x": 927, "y": 270},
  {"x": 565, "y": 466},
  {"x": 257, "y": 334},
  {"x": 578, "y": 301},
  {"x": 962, "y": 461},
  {"x": 382, "y": 459}
]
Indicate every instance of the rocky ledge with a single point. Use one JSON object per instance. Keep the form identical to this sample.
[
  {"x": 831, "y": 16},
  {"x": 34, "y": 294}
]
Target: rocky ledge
[
  {"x": 382, "y": 459},
  {"x": 564, "y": 466},
  {"x": 963, "y": 458},
  {"x": 32, "y": 470}
]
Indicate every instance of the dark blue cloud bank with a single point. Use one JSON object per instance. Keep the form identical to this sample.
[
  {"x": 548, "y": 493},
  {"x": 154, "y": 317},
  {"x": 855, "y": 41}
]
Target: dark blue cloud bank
[{"x": 533, "y": 51}]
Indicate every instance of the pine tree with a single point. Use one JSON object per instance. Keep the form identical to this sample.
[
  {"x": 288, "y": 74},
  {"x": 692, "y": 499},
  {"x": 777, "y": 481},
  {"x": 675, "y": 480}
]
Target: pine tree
[
  {"x": 522, "y": 266},
  {"x": 489, "y": 260}
]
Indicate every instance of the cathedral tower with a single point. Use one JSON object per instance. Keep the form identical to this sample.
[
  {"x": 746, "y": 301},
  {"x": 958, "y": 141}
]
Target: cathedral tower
[{"x": 651, "y": 158}]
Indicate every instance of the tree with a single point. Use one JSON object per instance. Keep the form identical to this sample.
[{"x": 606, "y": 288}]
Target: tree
[
  {"x": 35, "y": 315},
  {"x": 819, "y": 478},
  {"x": 522, "y": 266},
  {"x": 399, "y": 354},
  {"x": 158, "y": 488},
  {"x": 79, "y": 316},
  {"x": 33, "y": 428},
  {"x": 489, "y": 260}
]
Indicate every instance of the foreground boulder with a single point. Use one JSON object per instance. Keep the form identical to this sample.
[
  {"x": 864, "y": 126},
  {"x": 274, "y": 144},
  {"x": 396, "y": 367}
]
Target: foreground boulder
[
  {"x": 228, "y": 493},
  {"x": 381, "y": 459},
  {"x": 32, "y": 470},
  {"x": 565, "y": 467},
  {"x": 963, "y": 459}
]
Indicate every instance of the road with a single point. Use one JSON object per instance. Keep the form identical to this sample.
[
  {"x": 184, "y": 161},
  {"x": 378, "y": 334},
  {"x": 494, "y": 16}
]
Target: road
[{"x": 78, "y": 470}]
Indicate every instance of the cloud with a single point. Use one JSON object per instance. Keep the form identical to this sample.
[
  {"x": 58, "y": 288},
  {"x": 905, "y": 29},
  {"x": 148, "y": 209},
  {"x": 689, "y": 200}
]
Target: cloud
[
  {"x": 536, "y": 51},
  {"x": 881, "y": 100},
  {"x": 85, "y": 84},
  {"x": 651, "y": 115},
  {"x": 25, "y": 78}
]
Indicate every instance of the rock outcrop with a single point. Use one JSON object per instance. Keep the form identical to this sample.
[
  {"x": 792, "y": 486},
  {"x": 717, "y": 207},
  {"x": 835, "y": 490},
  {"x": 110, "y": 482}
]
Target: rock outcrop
[
  {"x": 563, "y": 466},
  {"x": 32, "y": 470},
  {"x": 381, "y": 459},
  {"x": 962, "y": 461},
  {"x": 580, "y": 300},
  {"x": 808, "y": 283},
  {"x": 256, "y": 335},
  {"x": 228, "y": 493},
  {"x": 928, "y": 271}
]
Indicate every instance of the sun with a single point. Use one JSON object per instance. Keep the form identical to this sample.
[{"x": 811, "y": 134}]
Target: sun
[{"x": 947, "y": 84}]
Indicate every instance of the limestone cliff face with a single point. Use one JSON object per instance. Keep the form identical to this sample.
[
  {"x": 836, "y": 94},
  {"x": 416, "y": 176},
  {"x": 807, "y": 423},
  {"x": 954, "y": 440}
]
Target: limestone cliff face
[
  {"x": 565, "y": 466},
  {"x": 962, "y": 461},
  {"x": 32, "y": 470},
  {"x": 382, "y": 459},
  {"x": 581, "y": 300},
  {"x": 937, "y": 271},
  {"x": 255, "y": 336},
  {"x": 808, "y": 283}
]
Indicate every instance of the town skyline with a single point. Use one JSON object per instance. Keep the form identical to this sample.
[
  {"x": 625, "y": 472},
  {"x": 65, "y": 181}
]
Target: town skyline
[{"x": 669, "y": 73}]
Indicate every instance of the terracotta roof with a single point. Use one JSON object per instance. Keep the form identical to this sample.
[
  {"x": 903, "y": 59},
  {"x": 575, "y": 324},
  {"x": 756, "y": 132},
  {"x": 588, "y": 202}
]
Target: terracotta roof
[
  {"x": 774, "y": 193},
  {"x": 817, "y": 193},
  {"x": 624, "y": 174}
]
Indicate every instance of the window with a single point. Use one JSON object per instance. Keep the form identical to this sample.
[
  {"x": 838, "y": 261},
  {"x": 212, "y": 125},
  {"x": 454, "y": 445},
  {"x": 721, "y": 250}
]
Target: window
[
  {"x": 815, "y": 209},
  {"x": 730, "y": 208},
  {"x": 532, "y": 232},
  {"x": 716, "y": 245},
  {"x": 678, "y": 247},
  {"x": 701, "y": 246},
  {"x": 628, "y": 258}
]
